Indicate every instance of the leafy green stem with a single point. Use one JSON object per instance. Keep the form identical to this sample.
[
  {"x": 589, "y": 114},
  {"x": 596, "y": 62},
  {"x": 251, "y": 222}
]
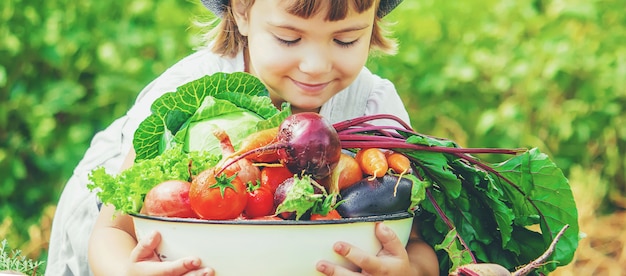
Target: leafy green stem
[
  {"x": 508, "y": 181},
  {"x": 449, "y": 223}
]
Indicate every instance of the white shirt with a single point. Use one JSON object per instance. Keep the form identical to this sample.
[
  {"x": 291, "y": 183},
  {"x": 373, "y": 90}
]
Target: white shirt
[{"x": 77, "y": 208}]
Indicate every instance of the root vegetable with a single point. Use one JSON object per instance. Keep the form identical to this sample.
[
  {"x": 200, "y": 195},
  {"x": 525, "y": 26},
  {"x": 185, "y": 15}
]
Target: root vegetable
[
  {"x": 169, "y": 199},
  {"x": 345, "y": 174},
  {"x": 372, "y": 161},
  {"x": 398, "y": 162},
  {"x": 246, "y": 171},
  {"x": 307, "y": 144},
  {"x": 260, "y": 139}
]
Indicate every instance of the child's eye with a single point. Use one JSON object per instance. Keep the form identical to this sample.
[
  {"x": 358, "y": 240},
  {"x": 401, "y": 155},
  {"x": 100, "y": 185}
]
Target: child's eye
[
  {"x": 287, "y": 42},
  {"x": 345, "y": 44}
]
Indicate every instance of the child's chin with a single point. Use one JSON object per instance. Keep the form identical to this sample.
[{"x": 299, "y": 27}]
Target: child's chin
[{"x": 305, "y": 107}]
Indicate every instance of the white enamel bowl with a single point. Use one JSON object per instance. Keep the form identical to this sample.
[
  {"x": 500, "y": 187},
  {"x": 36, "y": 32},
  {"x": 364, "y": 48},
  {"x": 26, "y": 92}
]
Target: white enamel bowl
[{"x": 266, "y": 247}]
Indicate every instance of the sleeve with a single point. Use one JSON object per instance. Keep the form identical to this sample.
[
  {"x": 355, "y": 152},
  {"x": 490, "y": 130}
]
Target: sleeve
[
  {"x": 77, "y": 208},
  {"x": 384, "y": 99}
]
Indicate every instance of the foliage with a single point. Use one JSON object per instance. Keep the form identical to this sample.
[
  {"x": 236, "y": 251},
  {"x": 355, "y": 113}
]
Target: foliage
[
  {"x": 504, "y": 73},
  {"x": 14, "y": 261},
  {"x": 127, "y": 190},
  {"x": 197, "y": 107},
  {"x": 68, "y": 69},
  {"x": 484, "y": 73},
  {"x": 492, "y": 211}
]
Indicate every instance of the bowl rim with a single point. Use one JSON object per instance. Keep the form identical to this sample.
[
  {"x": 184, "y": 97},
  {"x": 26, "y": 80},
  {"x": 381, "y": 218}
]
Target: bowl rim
[{"x": 372, "y": 218}]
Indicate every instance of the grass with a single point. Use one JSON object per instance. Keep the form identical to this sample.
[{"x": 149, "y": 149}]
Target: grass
[{"x": 13, "y": 261}]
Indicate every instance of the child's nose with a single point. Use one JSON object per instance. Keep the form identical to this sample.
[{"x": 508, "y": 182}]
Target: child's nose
[{"x": 315, "y": 61}]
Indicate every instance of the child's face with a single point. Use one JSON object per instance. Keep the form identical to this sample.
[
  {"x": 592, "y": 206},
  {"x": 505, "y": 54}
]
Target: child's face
[{"x": 304, "y": 61}]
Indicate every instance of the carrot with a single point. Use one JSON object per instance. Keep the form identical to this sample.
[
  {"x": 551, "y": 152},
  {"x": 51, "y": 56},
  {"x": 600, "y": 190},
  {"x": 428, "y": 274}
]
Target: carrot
[
  {"x": 372, "y": 161},
  {"x": 246, "y": 171},
  {"x": 260, "y": 139},
  {"x": 398, "y": 162},
  {"x": 345, "y": 174}
]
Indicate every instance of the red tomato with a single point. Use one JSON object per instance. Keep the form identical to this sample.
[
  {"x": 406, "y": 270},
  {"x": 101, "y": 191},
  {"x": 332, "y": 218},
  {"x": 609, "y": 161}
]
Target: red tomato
[
  {"x": 222, "y": 197},
  {"x": 260, "y": 202},
  {"x": 332, "y": 215},
  {"x": 274, "y": 176}
]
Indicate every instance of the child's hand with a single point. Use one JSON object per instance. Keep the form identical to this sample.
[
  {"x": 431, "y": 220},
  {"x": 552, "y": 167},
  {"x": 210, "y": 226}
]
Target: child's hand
[
  {"x": 392, "y": 259},
  {"x": 144, "y": 261}
]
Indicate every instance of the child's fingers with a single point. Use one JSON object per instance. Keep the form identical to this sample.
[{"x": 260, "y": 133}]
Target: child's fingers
[
  {"x": 392, "y": 246},
  {"x": 187, "y": 267},
  {"x": 330, "y": 269},
  {"x": 147, "y": 262},
  {"x": 190, "y": 266},
  {"x": 360, "y": 258},
  {"x": 145, "y": 248}
]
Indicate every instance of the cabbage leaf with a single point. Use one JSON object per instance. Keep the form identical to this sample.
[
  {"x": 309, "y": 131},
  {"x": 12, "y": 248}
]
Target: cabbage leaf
[{"x": 236, "y": 102}]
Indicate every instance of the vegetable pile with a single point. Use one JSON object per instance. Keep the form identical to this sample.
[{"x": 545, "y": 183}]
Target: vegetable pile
[
  {"x": 218, "y": 149},
  {"x": 506, "y": 213}
]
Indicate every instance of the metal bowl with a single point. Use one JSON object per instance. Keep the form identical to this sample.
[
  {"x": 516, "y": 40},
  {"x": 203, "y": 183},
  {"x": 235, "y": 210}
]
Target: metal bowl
[{"x": 267, "y": 247}]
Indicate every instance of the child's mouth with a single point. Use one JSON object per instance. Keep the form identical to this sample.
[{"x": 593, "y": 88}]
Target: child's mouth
[{"x": 310, "y": 87}]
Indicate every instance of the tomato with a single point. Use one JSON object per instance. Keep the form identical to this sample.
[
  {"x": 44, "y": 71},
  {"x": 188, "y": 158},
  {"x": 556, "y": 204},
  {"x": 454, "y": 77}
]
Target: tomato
[
  {"x": 332, "y": 215},
  {"x": 260, "y": 202},
  {"x": 274, "y": 176},
  {"x": 222, "y": 197}
]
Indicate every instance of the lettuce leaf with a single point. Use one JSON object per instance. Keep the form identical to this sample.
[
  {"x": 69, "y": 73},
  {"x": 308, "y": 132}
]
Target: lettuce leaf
[
  {"x": 180, "y": 131},
  {"x": 127, "y": 190}
]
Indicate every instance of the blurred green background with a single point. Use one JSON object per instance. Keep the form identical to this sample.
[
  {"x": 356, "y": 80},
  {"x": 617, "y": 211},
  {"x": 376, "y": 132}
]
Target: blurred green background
[{"x": 485, "y": 73}]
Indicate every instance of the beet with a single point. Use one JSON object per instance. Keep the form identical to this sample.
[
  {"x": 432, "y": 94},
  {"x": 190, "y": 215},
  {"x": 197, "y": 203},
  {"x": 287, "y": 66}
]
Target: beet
[
  {"x": 307, "y": 143},
  {"x": 377, "y": 196},
  {"x": 313, "y": 145},
  {"x": 280, "y": 194}
]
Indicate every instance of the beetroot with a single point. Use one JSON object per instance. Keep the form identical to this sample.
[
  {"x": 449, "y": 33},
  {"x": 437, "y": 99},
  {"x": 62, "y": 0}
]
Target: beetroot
[
  {"x": 307, "y": 144},
  {"x": 296, "y": 196},
  {"x": 280, "y": 194},
  {"x": 313, "y": 144}
]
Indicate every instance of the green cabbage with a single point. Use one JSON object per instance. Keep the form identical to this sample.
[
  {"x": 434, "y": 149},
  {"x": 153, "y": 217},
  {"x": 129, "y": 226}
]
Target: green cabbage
[{"x": 236, "y": 102}]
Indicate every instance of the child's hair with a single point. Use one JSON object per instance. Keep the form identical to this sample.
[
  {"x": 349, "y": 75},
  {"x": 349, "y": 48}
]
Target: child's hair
[{"x": 228, "y": 41}]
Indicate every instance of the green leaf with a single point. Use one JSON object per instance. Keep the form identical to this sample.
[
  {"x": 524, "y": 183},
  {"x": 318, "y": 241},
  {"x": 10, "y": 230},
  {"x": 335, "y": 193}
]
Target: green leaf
[
  {"x": 127, "y": 189},
  {"x": 200, "y": 100},
  {"x": 418, "y": 190},
  {"x": 547, "y": 194},
  {"x": 197, "y": 132},
  {"x": 300, "y": 198},
  {"x": 488, "y": 194},
  {"x": 434, "y": 166},
  {"x": 457, "y": 254},
  {"x": 499, "y": 202}
]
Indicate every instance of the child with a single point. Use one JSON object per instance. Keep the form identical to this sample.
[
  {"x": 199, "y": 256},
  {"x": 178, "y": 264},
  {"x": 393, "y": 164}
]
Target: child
[{"x": 310, "y": 53}]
